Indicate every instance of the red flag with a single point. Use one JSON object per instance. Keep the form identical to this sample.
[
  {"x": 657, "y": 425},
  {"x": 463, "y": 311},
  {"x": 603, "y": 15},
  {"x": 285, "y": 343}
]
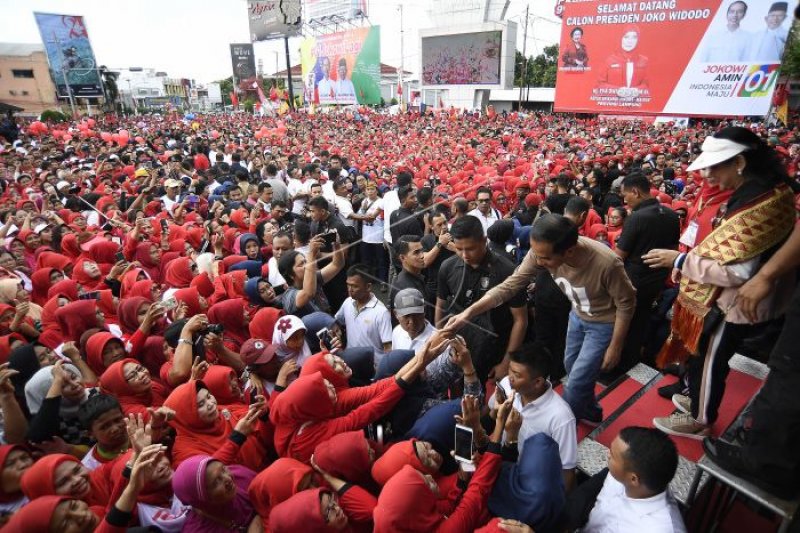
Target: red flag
[
  {"x": 234, "y": 99},
  {"x": 399, "y": 89}
]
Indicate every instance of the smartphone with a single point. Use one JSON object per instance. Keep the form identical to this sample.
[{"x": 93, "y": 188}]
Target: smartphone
[
  {"x": 204, "y": 244},
  {"x": 120, "y": 256},
  {"x": 169, "y": 304},
  {"x": 148, "y": 164},
  {"x": 329, "y": 237},
  {"x": 326, "y": 337},
  {"x": 464, "y": 446},
  {"x": 500, "y": 392},
  {"x": 123, "y": 200},
  {"x": 94, "y": 295},
  {"x": 164, "y": 226}
]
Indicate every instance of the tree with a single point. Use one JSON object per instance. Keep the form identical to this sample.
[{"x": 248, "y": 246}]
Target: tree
[
  {"x": 540, "y": 71},
  {"x": 110, "y": 86},
  {"x": 790, "y": 66}
]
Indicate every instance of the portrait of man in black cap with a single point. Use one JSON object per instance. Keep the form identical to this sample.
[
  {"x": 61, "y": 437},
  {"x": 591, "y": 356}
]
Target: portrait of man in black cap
[{"x": 768, "y": 43}]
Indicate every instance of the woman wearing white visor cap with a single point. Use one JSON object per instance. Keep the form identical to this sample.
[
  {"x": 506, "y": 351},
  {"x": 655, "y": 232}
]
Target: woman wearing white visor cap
[{"x": 707, "y": 323}]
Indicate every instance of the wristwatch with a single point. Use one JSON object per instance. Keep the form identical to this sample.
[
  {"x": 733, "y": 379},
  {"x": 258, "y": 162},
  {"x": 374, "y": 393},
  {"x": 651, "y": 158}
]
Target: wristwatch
[
  {"x": 439, "y": 245},
  {"x": 185, "y": 341}
]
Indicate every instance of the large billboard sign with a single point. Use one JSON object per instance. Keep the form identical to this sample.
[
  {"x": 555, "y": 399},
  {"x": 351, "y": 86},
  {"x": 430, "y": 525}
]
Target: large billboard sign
[
  {"x": 462, "y": 59},
  {"x": 273, "y": 19},
  {"x": 244, "y": 66},
  {"x": 69, "y": 54},
  {"x": 320, "y": 11},
  {"x": 672, "y": 57},
  {"x": 342, "y": 68}
]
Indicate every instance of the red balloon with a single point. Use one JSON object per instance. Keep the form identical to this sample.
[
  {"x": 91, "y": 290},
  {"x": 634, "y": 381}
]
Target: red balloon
[
  {"x": 107, "y": 137},
  {"x": 91, "y": 122},
  {"x": 67, "y": 137},
  {"x": 124, "y": 132},
  {"x": 139, "y": 139},
  {"x": 115, "y": 138},
  {"x": 214, "y": 134}
]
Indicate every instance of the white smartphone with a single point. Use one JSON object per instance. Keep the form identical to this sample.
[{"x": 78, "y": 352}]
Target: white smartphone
[{"x": 464, "y": 447}]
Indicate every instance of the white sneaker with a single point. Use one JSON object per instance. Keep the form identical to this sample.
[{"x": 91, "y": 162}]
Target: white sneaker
[
  {"x": 682, "y": 402},
  {"x": 682, "y": 425}
]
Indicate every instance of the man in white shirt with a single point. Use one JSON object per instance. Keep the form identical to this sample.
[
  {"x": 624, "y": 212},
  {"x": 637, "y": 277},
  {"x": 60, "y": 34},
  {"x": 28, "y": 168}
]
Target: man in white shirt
[
  {"x": 635, "y": 494},
  {"x": 281, "y": 243},
  {"x": 298, "y": 189},
  {"x": 366, "y": 319},
  {"x": 341, "y": 204},
  {"x": 344, "y": 89},
  {"x": 731, "y": 44},
  {"x": 542, "y": 410},
  {"x": 487, "y": 214},
  {"x": 391, "y": 203},
  {"x": 768, "y": 43},
  {"x": 170, "y": 200},
  {"x": 412, "y": 330}
]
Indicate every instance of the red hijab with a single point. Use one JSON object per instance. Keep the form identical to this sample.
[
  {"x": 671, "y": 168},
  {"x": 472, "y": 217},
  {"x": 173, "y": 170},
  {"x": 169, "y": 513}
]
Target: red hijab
[
  {"x": 405, "y": 499},
  {"x": 94, "y": 350},
  {"x": 346, "y": 457},
  {"x": 129, "y": 280},
  {"x": 113, "y": 382},
  {"x": 76, "y": 317},
  {"x": 317, "y": 363},
  {"x": 302, "y": 512},
  {"x": 5, "y": 451},
  {"x": 70, "y": 246},
  {"x": 66, "y": 287},
  {"x": 230, "y": 314},
  {"x": 395, "y": 458},
  {"x": 191, "y": 297},
  {"x": 5, "y": 346},
  {"x": 40, "y": 279},
  {"x": 195, "y": 437},
  {"x": 82, "y": 277},
  {"x": 179, "y": 273},
  {"x": 262, "y": 325},
  {"x": 128, "y": 312},
  {"x": 107, "y": 305},
  {"x": 143, "y": 288},
  {"x": 38, "y": 480},
  {"x": 230, "y": 285},
  {"x": 218, "y": 380},
  {"x": 203, "y": 284},
  {"x": 277, "y": 483},
  {"x": 142, "y": 255},
  {"x": 35, "y": 516},
  {"x": 53, "y": 260}
]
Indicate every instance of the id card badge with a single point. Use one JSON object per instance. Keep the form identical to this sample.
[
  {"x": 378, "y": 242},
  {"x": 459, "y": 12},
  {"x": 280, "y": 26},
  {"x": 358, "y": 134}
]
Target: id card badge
[{"x": 689, "y": 236}]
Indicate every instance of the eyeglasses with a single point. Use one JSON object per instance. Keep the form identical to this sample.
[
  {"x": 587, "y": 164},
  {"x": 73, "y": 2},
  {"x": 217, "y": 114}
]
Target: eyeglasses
[{"x": 137, "y": 371}]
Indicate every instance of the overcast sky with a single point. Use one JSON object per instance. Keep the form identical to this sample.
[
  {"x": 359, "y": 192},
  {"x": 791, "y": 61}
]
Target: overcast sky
[{"x": 189, "y": 38}]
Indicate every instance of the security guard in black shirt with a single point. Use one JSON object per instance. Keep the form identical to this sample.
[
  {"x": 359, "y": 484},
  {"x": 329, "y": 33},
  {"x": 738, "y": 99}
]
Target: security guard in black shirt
[{"x": 463, "y": 280}]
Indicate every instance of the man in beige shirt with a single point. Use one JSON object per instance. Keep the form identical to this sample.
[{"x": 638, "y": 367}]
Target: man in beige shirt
[{"x": 602, "y": 296}]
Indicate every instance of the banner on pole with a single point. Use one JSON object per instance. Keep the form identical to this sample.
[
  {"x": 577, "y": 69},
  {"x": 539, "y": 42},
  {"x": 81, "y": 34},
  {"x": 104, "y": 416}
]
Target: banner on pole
[
  {"x": 673, "y": 57},
  {"x": 66, "y": 43},
  {"x": 243, "y": 61},
  {"x": 342, "y": 68}
]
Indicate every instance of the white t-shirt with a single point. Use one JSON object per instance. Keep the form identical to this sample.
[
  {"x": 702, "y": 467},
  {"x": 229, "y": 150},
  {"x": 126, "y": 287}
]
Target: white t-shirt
[
  {"x": 273, "y": 276},
  {"x": 296, "y": 187},
  {"x": 486, "y": 221},
  {"x": 344, "y": 209},
  {"x": 401, "y": 340},
  {"x": 372, "y": 232},
  {"x": 169, "y": 520},
  {"x": 371, "y": 326},
  {"x": 615, "y": 512},
  {"x": 391, "y": 203},
  {"x": 548, "y": 414}
]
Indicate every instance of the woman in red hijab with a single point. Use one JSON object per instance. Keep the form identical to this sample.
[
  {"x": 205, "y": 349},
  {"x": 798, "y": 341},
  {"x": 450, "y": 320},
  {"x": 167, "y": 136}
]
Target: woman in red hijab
[
  {"x": 130, "y": 383},
  {"x": 63, "y": 475},
  {"x": 233, "y": 316},
  {"x": 68, "y": 288},
  {"x": 204, "y": 428},
  {"x": 228, "y": 286},
  {"x": 179, "y": 273},
  {"x": 87, "y": 273},
  {"x": 411, "y": 493},
  {"x": 195, "y": 303},
  {"x": 278, "y": 482},
  {"x": 102, "y": 350},
  {"x": 146, "y": 288},
  {"x": 315, "y": 510},
  {"x": 305, "y": 413},
  {"x": 138, "y": 319},
  {"x": 15, "y": 460},
  {"x": 149, "y": 256},
  {"x": 262, "y": 325},
  {"x": 42, "y": 279},
  {"x": 130, "y": 278},
  {"x": 76, "y": 317},
  {"x": 223, "y": 384}
]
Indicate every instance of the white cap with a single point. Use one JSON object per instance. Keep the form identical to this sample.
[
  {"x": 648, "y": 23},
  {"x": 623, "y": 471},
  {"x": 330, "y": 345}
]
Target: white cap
[{"x": 716, "y": 150}]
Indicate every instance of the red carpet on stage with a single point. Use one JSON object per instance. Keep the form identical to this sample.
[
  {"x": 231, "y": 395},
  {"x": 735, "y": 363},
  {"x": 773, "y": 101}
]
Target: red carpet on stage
[
  {"x": 739, "y": 390},
  {"x": 609, "y": 402}
]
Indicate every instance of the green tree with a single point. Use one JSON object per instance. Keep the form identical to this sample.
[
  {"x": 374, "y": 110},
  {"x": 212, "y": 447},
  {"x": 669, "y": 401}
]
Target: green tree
[
  {"x": 540, "y": 71},
  {"x": 790, "y": 66},
  {"x": 109, "y": 78}
]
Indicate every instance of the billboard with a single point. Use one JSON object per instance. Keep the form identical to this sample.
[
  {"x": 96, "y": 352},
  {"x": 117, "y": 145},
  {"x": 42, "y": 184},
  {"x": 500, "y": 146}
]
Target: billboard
[
  {"x": 244, "y": 66},
  {"x": 672, "y": 57},
  {"x": 462, "y": 59},
  {"x": 342, "y": 68},
  {"x": 273, "y": 19},
  {"x": 66, "y": 43},
  {"x": 320, "y": 11}
]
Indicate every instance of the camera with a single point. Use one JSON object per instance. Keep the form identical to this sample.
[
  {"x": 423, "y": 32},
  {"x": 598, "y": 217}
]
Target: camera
[
  {"x": 329, "y": 237},
  {"x": 216, "y": 329}
]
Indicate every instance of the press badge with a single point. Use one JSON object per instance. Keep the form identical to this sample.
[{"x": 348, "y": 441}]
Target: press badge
[
  {"x": 689, "y": 235},
  {"x": 485, "y": 281}
]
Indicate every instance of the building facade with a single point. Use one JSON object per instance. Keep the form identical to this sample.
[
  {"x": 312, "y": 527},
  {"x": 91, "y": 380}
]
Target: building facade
[{"x": 25, "y": 78}]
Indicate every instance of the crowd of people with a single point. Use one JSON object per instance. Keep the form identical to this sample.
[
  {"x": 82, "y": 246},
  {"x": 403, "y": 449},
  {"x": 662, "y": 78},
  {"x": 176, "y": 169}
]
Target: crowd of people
[{"x": 230, "y": 323}]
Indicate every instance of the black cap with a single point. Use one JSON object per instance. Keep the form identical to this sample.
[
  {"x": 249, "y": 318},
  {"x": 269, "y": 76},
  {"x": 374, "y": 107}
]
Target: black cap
[{"x": 779, "y": 6}]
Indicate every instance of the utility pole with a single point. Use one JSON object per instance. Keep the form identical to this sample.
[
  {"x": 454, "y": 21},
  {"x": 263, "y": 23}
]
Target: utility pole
[
  {"x": 289, "y": 72},
  {"x": 402, "y": 57},
  {"x": 524, "y": 76}
]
